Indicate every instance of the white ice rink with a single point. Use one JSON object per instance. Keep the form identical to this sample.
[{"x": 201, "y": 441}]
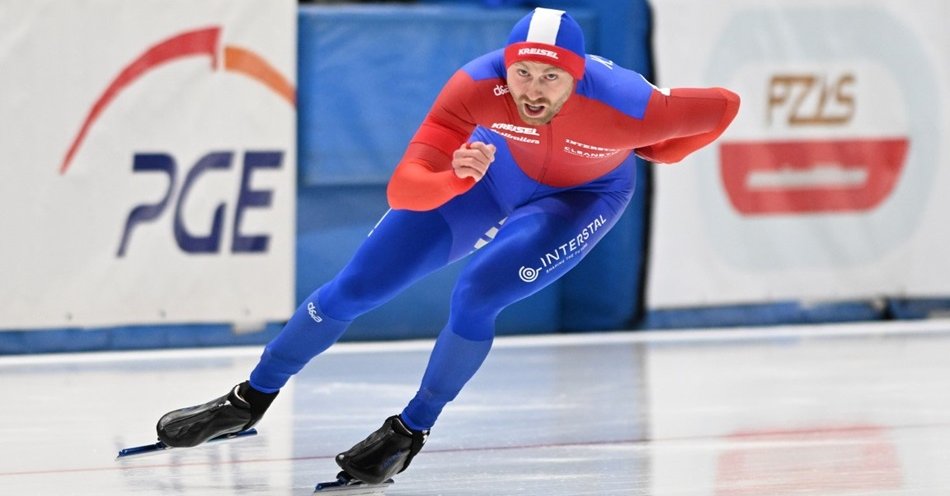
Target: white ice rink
[{"x": 860, "y": 409}]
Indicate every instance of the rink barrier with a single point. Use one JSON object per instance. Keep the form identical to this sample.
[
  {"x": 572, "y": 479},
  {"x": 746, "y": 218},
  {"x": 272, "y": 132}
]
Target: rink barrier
[
  {"x": 342, "y": 192},
  {"x": 778, "y": 313}
]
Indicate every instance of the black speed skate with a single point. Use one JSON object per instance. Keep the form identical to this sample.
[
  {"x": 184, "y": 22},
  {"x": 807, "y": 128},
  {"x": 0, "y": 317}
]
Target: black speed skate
[
  {"x": 232, "y": 413},
  {"x": 384, "y": 453}
]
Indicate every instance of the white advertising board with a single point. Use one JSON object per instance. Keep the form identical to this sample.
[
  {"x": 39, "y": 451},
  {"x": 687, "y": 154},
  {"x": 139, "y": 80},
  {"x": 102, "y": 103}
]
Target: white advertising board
[
  {"x": 833, "y": 182},
  {"x": 147, "y": 162}
]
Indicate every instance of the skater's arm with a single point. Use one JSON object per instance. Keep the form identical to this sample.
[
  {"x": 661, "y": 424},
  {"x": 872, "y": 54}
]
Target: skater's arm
[
  {"x": 685, "y": 120},
  {"x": 469, "y": 164},
  {"x": 425, "y": 178}
]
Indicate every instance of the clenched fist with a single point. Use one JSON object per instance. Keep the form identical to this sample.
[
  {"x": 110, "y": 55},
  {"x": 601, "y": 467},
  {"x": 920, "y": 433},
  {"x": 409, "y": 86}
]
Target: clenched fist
[{"x": 472, "y": 159}]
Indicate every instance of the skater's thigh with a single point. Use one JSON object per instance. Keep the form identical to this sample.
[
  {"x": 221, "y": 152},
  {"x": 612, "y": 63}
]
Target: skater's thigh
[
  {"x": 539, "y": 243},
  {"x": 403, "y": 247}
]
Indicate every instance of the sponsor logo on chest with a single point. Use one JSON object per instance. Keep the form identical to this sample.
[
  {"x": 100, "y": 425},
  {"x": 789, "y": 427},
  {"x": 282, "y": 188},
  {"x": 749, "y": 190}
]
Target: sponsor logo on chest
[
  {"x": 584, "y": 150},
  {"x": 517, "y": 133}
]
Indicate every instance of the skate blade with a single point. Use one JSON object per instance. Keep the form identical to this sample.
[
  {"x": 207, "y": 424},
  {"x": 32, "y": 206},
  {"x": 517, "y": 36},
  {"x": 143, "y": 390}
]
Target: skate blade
[
  {"x": 344, "y": 485},
  {"x": 159, "y": 447}
]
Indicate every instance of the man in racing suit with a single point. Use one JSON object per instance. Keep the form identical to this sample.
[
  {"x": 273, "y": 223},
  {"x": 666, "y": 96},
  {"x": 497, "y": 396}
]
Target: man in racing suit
[{"x": 526, "y": 158}]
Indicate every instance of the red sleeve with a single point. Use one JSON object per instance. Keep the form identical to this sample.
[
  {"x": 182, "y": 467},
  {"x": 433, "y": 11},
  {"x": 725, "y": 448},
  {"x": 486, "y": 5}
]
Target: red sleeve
[
  {"x": 424, "y": 179},
  {"x": 685, "y": 120}
]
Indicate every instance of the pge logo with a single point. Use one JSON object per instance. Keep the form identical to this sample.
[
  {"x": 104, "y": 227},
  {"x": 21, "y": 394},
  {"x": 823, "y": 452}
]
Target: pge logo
[
  {"x": 210, "y": 243},
  {"x": 181, "y": 180}
]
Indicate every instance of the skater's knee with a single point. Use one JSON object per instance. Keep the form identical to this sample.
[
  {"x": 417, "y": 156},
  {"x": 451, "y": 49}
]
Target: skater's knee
[
  {"x": 477, "y": 296},
  {"x": 473, "y": 314}
]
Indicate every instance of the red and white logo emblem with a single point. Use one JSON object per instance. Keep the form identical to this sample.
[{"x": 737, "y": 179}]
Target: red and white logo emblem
[{"x": 824, "y": 151}]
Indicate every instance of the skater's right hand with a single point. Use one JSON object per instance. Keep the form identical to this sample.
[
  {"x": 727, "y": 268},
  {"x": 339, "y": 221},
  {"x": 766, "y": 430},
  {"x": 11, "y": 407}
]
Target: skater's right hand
[{"x": 472, "y": 159}]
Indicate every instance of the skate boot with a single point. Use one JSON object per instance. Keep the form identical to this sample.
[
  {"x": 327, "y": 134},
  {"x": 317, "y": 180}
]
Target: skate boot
[
  {"x": 384, "y": 453},
  {"x": 234, "y": 412}
]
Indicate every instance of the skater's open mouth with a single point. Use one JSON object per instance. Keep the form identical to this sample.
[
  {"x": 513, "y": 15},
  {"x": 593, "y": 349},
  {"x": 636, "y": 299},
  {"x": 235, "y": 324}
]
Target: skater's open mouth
[{"x": 534, "y": 110}]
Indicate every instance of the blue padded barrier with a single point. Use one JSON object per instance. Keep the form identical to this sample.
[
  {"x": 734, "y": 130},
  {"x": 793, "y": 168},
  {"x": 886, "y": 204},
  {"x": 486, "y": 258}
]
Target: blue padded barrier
[
  {"x": 918, "y": 308},
  {"x": 776, "y": 313},
  {"x": 129, "y": 338}
]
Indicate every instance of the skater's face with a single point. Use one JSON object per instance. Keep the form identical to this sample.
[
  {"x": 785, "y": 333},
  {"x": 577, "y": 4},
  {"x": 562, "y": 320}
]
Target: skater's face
[{"x": 539, "y": 90}]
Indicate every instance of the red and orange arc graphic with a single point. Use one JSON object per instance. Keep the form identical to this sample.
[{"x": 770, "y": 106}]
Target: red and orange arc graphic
[
  {"x": 811, "y": 176},
  {"x": 197, "y": 42}
]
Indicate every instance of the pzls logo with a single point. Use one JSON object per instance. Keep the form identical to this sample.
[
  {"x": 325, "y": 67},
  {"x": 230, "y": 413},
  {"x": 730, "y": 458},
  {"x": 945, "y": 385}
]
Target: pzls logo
[
  {"x": 824, "y": 163},
  {"x": 180, "y": 181}
]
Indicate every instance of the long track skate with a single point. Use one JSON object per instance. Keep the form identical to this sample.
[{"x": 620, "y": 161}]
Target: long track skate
[
  {"x": 345, "y": 485},
  {"x": 159, "y": 447}
]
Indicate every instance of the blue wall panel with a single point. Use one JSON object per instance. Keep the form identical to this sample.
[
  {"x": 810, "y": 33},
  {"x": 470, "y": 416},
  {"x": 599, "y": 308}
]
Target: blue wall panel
[
  {"x": 778, "y": 313},
  {"x": 367, "y": 75}
]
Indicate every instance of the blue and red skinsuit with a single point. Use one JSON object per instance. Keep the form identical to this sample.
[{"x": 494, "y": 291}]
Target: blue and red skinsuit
[{"x": 552, "y": 192}]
